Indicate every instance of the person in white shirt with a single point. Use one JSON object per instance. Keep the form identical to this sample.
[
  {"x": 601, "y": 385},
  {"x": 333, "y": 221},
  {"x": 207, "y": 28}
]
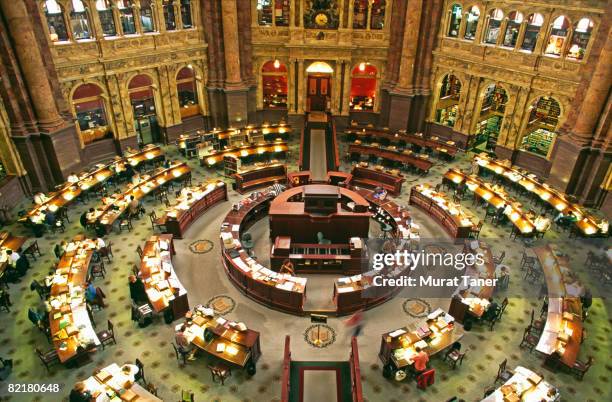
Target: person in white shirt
[
  {"x": 13, "y": 256},
  {"x": 604, "y": 226},
  {"x": 73, "y": 178},
  {"x": 100, "y": 243},
  {"x": 542, "y": 223}
]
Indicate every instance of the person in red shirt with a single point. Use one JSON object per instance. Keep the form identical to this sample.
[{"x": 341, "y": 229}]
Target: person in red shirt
[{"x": 420, "y": 360}]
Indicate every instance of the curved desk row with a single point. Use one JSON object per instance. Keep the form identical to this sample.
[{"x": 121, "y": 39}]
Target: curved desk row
[
  {"x": 118, "y": 383},
  {"x": 260, "y": 176},
  {"x": 494, "y": 197},
  {"x": 562, "y": 332},
  {"x": 457, "y": 222},
  {"x": 265, "y": 130},
  {"x": 356, "y": 292},
  {"x": 442, "y": 147},
  {"x": 115, "y": 205},
  {"x": 407, "y": 157},
  {"x": 587, "y": 224},
  {"x": 69, "y": 320},
  {"x": 389, "y": 180},
  {"x": 280, "y": 291},
  {"x": 190, "y": 205},
  {"x": 90, "y": 179},
  {"x": 162, "y": 285},
  {"x": 211, "y": 157}
]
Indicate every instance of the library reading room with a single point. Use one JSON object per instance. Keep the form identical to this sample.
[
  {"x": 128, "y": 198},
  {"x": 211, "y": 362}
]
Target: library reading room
[{"x": 305, "y": 200}]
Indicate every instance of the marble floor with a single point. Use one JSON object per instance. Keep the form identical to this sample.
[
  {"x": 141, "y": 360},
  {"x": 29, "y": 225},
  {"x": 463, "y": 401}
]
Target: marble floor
[{"x": 203, "y": 276}]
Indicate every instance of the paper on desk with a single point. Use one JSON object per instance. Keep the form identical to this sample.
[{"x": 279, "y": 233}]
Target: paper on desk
[
  {"x": 433, "y": 315},
  {"x": 397, "y": 333}
]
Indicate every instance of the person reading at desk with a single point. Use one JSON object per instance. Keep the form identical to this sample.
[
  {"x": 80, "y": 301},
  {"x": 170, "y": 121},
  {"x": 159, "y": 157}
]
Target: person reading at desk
[
  {"x": 603, "y": 226},
  {"x": 134, "y": 206},
  {"x": 542, "y": 223},
  {"x": 183, "y": 343},
  {"x": 138, "y": 293},
  {"x": 94, "y": 295},
  {"x": 287, "y": 268},
  {"x": 380, "y": 193},
  {"x": 501, "y": 212},
  {"x": 420, "y": 360},
  {"x": 136, "y": 178},
  {"x": 80, "y": 393}
]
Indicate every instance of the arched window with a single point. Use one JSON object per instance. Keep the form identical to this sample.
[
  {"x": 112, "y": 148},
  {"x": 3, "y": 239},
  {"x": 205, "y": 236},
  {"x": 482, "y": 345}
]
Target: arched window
[
  {"x": 186, "y": 13},
  {"x": 363, "y": 87},
  {"x": 105, "y": 13},
  {"x": 491, "y": 116},
  {"x": 169, "y": 14},
  {"x": 558, "y": 36},
  {"x": 542, "y": 125},
  {"x": 187, "y": 91},
  {"x": 90, "y": 112},
  {"x": 274, "y": 83},
  {"x": 264, "y": 12},
  {"x": 360, "y": 14},
  {"x": 493, "y": 27},
  {"x": 55, "y": 21},
  {"x": 79, "y": 21},
  {"x": 471, "y": 23},
  {"x": 534, "y": 24},
  {"x": 515, "y": 19},
  {"x": 455, "y": 21},
  {"x": 448, "y": 101},
  {"x": 377, "y": 14},
  {"x": 279, "y": 15},
  {"x": 126, "y": 14},
  {"x": 146, "y": 16},
  {"x": 580, "y": 39}
]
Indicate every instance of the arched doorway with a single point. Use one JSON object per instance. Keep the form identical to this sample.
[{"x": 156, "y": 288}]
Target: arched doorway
[
  {"x": 363, "y": 87},
  {"x": 90, "y": 112},
  {"x": 142, "y": 99},
  {"x": 319, "y": 86},
  {"x": 541, "y": 128}
]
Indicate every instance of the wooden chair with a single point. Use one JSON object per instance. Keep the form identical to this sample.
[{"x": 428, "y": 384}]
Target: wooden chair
[
  {"x": 32, "y": 250},
  {"x": 139, "y": 251},
  {"x": 503, "y": 374},
  {"x": 503, "y": 307},
  {"x": 107, "y": 251},
  {"x": 528, "y": 260},
  {"x": 536, "y": 325},
  {"x": 426, "y": 379},
  {"x": 499, "y": 259},
  {"x": 125, "y": 223},
  {"x": 155, "y": 222},
  {"x": 43, "y": 292},
  {"x": 580, "y": 368},
  {"x": 140, "y": 375},
  {"x": 108, "y": 335},
  {"x": 180, "y": 354},
  {"x": 187, "y": 396},
  {"x": 454, "y": 355},
  {"x": 98, "y": 270},
  {"x": 530, "y": 341},
  {"x": 475, "y": 231},
  {"x": 5, "y": 301},
  {"x": 220, "y": 373},
  {"x": 48, "y": 358}
]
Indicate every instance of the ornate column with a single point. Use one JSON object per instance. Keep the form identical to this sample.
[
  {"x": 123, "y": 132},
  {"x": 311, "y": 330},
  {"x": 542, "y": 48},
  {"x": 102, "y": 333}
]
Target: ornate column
[
  {"x": 290, "y": 86},
  {"x": 402, "y": 95},
  {"x": 301, "y": 95},
  {"x": 351, "y": 12},
  {"x": 230, "y": 42},
  {"x": 236, "y": 92},
  {"x": 347, "y": 88},
  {"x": 158, "y": 11},
  {"x": 137, "y": 21},
  {"x": 32, "y": 65}
]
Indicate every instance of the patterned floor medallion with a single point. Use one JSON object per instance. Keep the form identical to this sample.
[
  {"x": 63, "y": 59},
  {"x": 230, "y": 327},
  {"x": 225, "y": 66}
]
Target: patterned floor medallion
[
  {"x": 320, "y": 335},
  {"x": 222, "y": 304},
  {"x": 201, "y": 246},
  {"x": 416, "y": 307}
]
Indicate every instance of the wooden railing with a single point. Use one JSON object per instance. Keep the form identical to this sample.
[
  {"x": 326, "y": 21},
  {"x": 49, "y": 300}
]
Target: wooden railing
[
  {"x": 356, "y": 389},
  {"x": 285, "y": 386},
  {"x": 333, "y": 158}
]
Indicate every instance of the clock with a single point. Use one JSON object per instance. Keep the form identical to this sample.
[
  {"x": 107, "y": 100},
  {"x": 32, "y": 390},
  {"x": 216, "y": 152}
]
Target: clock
[{"x": 321, "y": 19}]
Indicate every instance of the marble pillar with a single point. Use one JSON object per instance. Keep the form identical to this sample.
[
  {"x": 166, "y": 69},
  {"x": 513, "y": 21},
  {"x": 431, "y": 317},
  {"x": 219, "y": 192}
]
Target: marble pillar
[{"x": 32, "y": 65}]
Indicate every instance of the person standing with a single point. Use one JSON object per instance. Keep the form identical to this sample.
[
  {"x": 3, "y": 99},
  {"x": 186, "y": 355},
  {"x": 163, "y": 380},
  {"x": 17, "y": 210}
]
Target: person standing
[{"x": 356, "y": 321}]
